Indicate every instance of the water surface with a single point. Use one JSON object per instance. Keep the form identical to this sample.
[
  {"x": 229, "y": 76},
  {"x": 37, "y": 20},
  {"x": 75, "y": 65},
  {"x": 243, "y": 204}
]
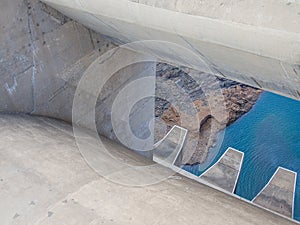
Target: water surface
[{"x": 269, "y": 135}]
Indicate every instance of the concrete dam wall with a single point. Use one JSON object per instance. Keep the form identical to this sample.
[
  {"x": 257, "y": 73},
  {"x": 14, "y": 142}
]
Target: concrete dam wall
[
  {"x": 44, "y": 55},
  {"x": 158, "y": 72}
]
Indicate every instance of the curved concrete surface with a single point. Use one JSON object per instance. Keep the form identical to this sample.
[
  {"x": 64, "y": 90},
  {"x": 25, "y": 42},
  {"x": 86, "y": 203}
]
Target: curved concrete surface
[
  {"x": 43, "y": 57},
  {"x": 44, "y": 180},
  {"x": 254, "y": 42}
]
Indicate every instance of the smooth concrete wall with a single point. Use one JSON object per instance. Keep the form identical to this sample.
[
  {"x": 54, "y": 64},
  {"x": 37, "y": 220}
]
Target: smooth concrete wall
[{"x": 254, "y": 42}]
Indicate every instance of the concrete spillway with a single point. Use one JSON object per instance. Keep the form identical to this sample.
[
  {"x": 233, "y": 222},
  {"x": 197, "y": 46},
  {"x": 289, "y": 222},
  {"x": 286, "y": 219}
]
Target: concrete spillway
[{"x": 254, "y": 42}]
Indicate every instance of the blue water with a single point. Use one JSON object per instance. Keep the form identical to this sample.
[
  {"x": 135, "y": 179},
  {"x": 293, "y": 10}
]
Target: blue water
[{"x": 269, "y": 135}]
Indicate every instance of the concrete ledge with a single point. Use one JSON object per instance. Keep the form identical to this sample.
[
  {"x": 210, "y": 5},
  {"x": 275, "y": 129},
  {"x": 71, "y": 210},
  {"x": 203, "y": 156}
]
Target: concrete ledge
[
  {"x": 226, "y": 182},
  {"x": 44, "y": 185},
  {"x": 279, "y": 193},
  {"x": 167, "y": 150},
  {"x": 225, "y": 172}
]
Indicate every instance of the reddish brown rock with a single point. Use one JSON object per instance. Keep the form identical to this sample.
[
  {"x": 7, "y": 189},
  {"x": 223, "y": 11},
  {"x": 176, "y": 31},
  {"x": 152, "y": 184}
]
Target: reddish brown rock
[{"x": 213, "y": 111}]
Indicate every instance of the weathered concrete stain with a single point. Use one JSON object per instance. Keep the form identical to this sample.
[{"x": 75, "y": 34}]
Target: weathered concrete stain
[
  {"x": 279, "y": 193},
  {"x": 225, "y": 172}
]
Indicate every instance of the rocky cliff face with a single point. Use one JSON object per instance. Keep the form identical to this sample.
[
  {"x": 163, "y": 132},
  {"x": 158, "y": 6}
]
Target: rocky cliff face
[{"x": 204, "y": 107}]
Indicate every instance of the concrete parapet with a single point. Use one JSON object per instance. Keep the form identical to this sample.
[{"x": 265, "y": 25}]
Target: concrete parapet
[
  {"x": 235, "y": 40},
  {"x": 46, "y": 181}
]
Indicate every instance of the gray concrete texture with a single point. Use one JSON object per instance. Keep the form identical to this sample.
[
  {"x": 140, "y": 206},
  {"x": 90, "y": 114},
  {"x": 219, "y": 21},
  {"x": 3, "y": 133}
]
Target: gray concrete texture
[
  {"x": 253, "y": 42},
  {"x": 279, "y": 194},
  {"x": 45, "y": 180},
  {"x": 168, "y": 149},
  {"x": 225, "y": 172},
  {"x": 42, "y": 51},
  {"x": 43, "y": 56}
]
